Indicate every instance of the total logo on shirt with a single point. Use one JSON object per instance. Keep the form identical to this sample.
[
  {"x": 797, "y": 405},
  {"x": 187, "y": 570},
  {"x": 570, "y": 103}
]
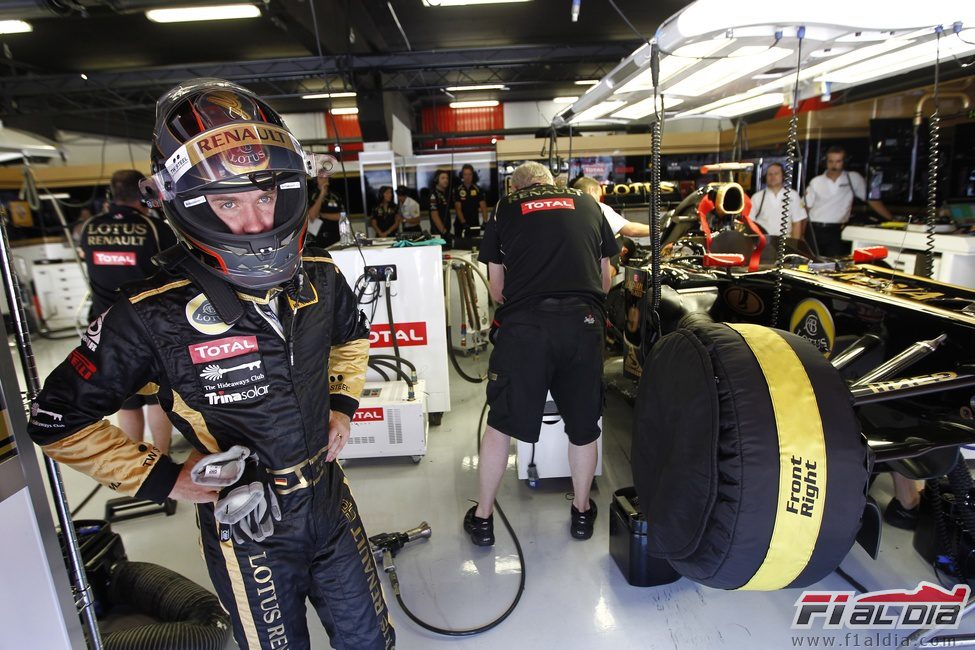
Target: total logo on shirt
[
  {"x": 107, "y": 258},
  {"x": 547, "y": 204}
]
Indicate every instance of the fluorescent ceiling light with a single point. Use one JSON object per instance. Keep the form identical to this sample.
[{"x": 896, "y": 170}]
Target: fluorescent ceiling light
[
  {"x": 327, "y": 95},
  {"x": 15, "y": 27},
  {"x": 586, "y": 82},
  {"x": 739, "y": 105},
  {"x": 452, "y": 89},
  {"x": 461, "y": 3},
  {"x": 192, "y": 14},
  {"x": 737, "y": 64},
  {"x": 598, "y": 111},
  {"x": 487, "y": 103},
  {"x": 565, "y": 100},
  {"x": 901, "y": 61},
  {"x": 676, "y": 62},
  {"x": 644, "y": 107},
  {"x": 352, "y": 110}
]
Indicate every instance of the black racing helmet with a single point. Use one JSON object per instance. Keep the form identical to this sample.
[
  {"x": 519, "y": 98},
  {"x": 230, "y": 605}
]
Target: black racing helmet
[{"x": 213, "y": 136}]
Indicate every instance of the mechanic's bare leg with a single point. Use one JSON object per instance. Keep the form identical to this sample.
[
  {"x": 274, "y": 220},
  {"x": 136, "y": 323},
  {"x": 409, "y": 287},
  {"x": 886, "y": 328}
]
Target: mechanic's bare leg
[
  {"x": 491, "y": 464},
  {"x": 582, "y": 465},
  {"x": 160, "y": 427},
  {"x": 132, "y": 423},
  {"x": 907, "y": 491}
]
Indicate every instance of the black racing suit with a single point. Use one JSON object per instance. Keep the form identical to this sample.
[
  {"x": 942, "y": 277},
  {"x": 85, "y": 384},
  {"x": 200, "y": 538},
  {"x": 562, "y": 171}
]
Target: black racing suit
[{"x": 267, "y": 382}]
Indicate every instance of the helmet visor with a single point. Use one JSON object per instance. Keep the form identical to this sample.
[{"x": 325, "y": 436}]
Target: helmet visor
[{"x": 232, "y": 156}]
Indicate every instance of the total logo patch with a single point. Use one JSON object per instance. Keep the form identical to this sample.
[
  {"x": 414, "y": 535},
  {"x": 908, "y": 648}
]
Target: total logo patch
[
  {"x": 547, "y": 204},
  {"x": 225, "y": 348},
  {"x": 93, "y": 335},
  {"x": 108, "y": 258},
  {"x": 203, "y": 317},
  {"x": 368, "y": 414}
]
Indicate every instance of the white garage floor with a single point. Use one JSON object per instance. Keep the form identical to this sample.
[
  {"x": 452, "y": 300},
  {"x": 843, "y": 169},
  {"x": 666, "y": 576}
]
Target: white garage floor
[{"x": 575, "y": 596}]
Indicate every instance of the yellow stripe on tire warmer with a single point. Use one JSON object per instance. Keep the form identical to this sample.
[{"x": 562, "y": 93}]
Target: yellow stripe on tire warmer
[{"x": 802, "y": 457}]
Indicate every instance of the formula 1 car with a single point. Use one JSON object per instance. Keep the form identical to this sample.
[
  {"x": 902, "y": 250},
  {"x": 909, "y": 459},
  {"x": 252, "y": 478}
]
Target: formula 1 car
[{"x": 771, "y": 385}]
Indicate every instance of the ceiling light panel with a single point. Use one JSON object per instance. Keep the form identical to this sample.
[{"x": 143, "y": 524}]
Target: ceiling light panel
[
  {"x": 193, "y": 14},
  {"x": 565, "y": 100},
  {"x": 328, "y": 95},
  {"x": 352, "y": 110},
  {"x": 901, "y": 60},
  {"x": 15, "y": 27},
  {"x": 487, "y": 103},
  {"x": 462, "y": 3},
  {"x": 739, "y": 63},
  {"x": 598, "y": 111},
  {"x": 453, "y": 89},
  {"x": 644, "y": 107}
]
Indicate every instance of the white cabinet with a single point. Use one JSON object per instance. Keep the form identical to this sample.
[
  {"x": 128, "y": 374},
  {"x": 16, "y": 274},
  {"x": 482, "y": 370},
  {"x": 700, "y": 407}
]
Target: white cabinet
[{"x": 61, "y": 289}]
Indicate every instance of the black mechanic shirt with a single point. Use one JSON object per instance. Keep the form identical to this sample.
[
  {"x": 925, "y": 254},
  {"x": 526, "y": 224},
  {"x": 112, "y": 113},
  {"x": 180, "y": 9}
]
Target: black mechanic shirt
[
  {"x": 550, "y": 241},
  {"x": 119, "y": 246},
  {"x": 438, "y": 202},
  {"x": 385, "y": 218},
  {"x": 328, "y": 234},
  {"x": 470, "y": 203}
]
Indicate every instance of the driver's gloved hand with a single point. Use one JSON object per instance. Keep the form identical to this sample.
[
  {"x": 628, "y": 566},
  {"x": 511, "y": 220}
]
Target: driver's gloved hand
[{"x": 250, "y": 506}]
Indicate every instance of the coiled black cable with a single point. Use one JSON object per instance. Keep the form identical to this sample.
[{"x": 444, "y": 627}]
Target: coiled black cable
[
  {"x": 394, "y": 580},
  {"x": 934, "y": 153},
  {"x": 792, "y": 155}
]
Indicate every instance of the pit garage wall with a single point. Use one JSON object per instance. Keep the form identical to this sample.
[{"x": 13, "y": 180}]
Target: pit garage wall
[{"x": 36, "y": 605}]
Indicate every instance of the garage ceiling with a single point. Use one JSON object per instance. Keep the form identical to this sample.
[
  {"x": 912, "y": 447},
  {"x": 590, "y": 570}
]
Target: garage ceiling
[{"x": 532, "y": 47}]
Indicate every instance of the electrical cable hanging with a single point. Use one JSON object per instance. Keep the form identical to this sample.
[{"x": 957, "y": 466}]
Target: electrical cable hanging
[
  {"x": 934, "y": 154},
  {"x": 792, "y": 155}
]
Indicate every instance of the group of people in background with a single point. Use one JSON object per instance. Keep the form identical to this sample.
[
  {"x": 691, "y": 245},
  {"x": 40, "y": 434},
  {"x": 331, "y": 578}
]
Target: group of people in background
[
  {"x": 826, "y": 206},
  {"x": 399, "y": 211}
]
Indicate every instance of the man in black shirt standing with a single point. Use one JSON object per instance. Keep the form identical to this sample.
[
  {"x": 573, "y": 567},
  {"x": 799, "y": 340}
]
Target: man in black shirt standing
[
  {"x": 547, "y": 251},
  {"x": 326, "y": 206},
  {"x": 439, "y": 205},
  {"x": 118, "y": 247},
  {"x": 470, "y": 203}
]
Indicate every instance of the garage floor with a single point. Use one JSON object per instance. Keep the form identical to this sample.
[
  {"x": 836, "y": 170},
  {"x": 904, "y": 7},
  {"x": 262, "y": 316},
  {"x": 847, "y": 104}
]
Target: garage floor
[{"x": 575, "y": 596}]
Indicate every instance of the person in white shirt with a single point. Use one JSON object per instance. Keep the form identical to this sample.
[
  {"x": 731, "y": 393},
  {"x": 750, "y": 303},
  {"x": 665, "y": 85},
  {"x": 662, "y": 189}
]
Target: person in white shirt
[
  {"x": 767, "y": 205},
  {"x": 829, "y": 198},
  {"x": 409, "y": 209},
  {"x": 617, "y": 222}
]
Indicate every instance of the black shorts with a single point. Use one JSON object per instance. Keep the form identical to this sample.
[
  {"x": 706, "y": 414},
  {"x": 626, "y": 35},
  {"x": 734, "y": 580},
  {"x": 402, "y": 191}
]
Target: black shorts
[
  {"x": 553, "y": 346},
  {"x": 138, "y": 401}
]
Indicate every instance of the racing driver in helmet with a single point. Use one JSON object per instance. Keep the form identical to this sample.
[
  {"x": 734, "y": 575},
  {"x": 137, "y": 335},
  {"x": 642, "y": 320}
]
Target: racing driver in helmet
[{"x": 257, "y": 352}]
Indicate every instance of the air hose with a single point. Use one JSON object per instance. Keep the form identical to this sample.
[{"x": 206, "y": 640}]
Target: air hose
[
  {"x": 394, "y": 580},
  {"x": 792, "y": 155},
  {"x": 467, "y": 307},
  {"x": 934, "y": 153}
]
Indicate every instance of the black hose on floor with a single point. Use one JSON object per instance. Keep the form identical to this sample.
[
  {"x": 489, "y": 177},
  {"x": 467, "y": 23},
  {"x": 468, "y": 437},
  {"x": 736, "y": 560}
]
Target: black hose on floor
[{"x": 394, "y": 581}]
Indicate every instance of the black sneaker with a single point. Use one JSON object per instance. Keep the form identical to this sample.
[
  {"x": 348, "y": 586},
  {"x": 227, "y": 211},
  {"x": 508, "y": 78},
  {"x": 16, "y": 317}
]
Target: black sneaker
[
  {"x": 480, "y": 530},
  {"x": 900, "y": 517},
  {"x": 583, "y": 522}
]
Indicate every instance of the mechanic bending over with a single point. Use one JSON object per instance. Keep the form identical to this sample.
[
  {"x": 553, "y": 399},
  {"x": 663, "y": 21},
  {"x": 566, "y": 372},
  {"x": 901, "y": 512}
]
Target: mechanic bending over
[
  {"x": 767, "y": 205},
  {"x": 547, "y": 251},
  {"x": 232, "y": 334},
  {"x": 619, "y": 224},
  {"x": 829, "y": 199}
]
